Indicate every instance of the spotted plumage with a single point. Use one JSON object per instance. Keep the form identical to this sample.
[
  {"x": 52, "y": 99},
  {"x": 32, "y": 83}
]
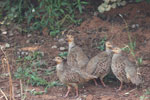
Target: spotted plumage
[
  {"x": 71, "y": 76},
  {"x": 76, "y": 56},
  {"x": 123, "y": 69},
  {"x": 100, "y": 64}
]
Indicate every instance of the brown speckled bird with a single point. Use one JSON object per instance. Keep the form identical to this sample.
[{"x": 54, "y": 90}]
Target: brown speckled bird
[
  {"x": 76, "y": 56},
  {"x": 71, "y": 76},
  {"x": 124, "y": 69},
  {"x": 100, "y": 64}
]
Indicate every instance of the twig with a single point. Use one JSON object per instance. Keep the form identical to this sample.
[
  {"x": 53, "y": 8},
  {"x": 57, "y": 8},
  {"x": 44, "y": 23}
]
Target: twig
[
  {"x": 3, "y": 94},
  {"x": 11, "y": 92},
  {"x": 130, "y": 91},
  {"x": 129, "y": 36},
  {"x": 21, "y": 89}
]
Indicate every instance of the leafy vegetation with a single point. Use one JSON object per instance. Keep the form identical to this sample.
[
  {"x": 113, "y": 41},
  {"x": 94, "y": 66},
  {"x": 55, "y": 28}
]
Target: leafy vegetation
[
  {"x": 63, "y": 54},
  {"x": 146, "y": 95},
  {"x": 44, "y": 15},
  {"x": 131, "y": 45},
  {"x": 30, "y": 70},
  {"x": 102, "y": 44},
  {"x": 142, "y": 0}
]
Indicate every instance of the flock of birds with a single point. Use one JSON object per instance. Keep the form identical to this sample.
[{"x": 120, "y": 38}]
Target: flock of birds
[{"x": 79, "y": 68}]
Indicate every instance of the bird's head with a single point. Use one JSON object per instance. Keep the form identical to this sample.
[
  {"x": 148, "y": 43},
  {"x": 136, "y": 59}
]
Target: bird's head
[
  {"x": 108, "y": 45},
  {"x": 58, "y": 60},
  {"x": 70, "y": 38},
  {"x": 116, "y": 50}
]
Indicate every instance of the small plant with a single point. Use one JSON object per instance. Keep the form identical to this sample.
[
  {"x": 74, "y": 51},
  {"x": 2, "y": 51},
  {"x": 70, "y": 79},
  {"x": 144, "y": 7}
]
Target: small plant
[
  {"x": 146, "y": 95},
  {"x": 102, "y": 44},
  {"x": 29, "y": 70},
  {"x": 63, "y": 54},
  {"x": 44, "y": 15},
  {"x": 130, "y": 48},
  {"x": 140, "y": 61}
]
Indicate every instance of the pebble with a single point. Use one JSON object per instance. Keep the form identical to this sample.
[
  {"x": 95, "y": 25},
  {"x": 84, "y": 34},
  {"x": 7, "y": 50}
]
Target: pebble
[
  {"x": 62, "y": 48},
  {"x": 7, "y": 45},
  {"x": 54, "y": 47},
  {"x": 18, "y": 53},
  {"x": 22, "y": 53},
  {"x": 61, "y": 41},
  {"x": 29, "y": 35},
  {"x": 79, "y": 98},
  {"x": 28, "y": 41},
  {"x": 26, "y": 53},
  {"x": 11, "y": 34},
  {"x": 4, "y": 32},
  {"x": 135, "y": 26}
]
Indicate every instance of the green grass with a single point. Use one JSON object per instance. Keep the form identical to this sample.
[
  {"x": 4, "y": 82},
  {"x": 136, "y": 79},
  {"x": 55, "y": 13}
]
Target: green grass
[
  {"x": 146, "y": 95},
  {"x": 49, "y": 15},
  {"x": 101, "y": 46},
  {"x": 31, "y": 71}
]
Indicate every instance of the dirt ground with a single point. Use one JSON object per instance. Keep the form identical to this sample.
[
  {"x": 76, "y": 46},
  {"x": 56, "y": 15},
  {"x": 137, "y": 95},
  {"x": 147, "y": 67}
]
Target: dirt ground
[{"x": 87, "y": 35}]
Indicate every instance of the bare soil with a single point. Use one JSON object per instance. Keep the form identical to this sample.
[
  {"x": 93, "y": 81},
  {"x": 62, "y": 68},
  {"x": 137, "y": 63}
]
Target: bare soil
[{"x": 87, "y": 35}]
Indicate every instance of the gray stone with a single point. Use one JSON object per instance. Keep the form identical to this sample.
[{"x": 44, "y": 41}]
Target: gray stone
[
  {"x": 29, "y": 35},
  {"x": 54, "y": 47},
  {"x": 7, "y": 45},
  {"x": 4, "y": 32},
  {"x": 62, "y": 48},
  {"x": 28, "y": 41}
]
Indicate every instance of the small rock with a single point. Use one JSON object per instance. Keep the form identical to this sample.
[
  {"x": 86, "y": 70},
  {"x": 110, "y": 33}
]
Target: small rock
[
  {"x": 54, "y": 47},
  {"x": 28, "y": 41},
  {"x": 18, "y": 95},
  {"x": 137, "y": 25},
  {"x": 62, "y": 48},
  {"x": 26, "y": 53},
  {"x": 4, "y": 32},
  {"x": 42, "y": 41},
  {"x": 29, "y": 35},
  {"x": 22, "y": 53},
  {"x": 79, "y": 98},
  {"x": 133, "y": 26},
  {"x": 18, "y": 53},
  {"x": 11, "y": 34},
  {"x": 7, "y": 45},
  {"x": 61, "y": 40}
]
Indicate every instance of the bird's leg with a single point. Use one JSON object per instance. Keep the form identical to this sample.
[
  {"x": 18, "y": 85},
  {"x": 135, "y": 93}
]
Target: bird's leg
[
  {"x": 95, "y": 82},
  {"x": 121, "y": 84},
  {"x": 102, "y": 82},
  {"x": 76, "y": 89},
  {"x": 68, "y": 91}
]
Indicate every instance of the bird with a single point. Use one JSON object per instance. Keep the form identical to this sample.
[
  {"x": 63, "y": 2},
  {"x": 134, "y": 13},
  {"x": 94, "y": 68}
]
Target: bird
[
  {"x": 71, "y": 76},
  {"x": 124, "y": 69},
  {"x": 76, "y": 56},
  {"x": 100, "y": 65}
]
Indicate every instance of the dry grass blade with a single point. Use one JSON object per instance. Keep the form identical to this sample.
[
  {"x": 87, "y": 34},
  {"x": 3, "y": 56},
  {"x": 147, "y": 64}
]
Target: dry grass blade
[
  {"x": 11, "y": 92},
  {"x": 3, "y": 94},
  {"x": 21, "y": 89}
]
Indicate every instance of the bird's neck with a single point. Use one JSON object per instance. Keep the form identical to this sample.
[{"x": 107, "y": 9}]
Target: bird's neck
[
  {"x": 71, "y": 45},
  {"x": 108, "y": 50},
  {"x": 116, "y": 55},
  {"x": 59, "y": 66}
]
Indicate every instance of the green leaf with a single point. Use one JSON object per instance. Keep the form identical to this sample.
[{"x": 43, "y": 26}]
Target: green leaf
[{"x": 138, "y": 0}]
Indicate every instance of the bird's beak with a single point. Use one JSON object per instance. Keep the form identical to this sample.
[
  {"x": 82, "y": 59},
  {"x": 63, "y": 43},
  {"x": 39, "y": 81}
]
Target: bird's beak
[
  {"x": 113, "y": 50},
  {"x": 110, "y": 46},
  {"x": 68, "y": 40}
]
